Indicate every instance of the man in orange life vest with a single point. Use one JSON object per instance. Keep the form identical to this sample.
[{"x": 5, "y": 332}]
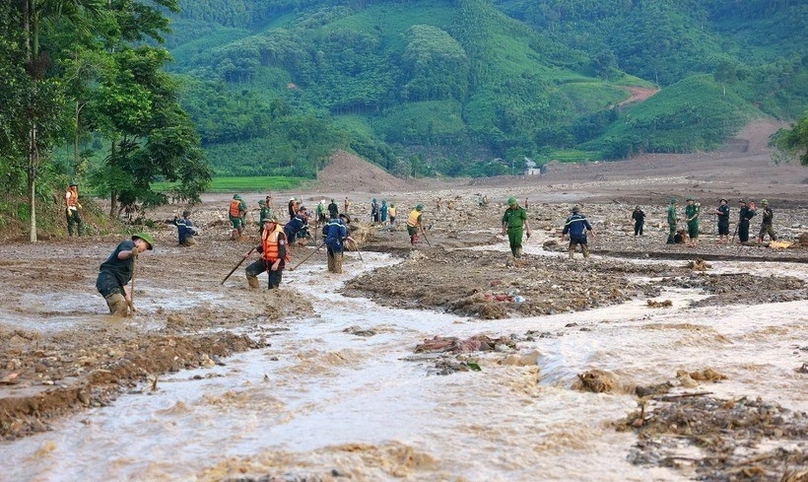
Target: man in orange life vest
[
  {"x": 238, "y": 209},
  {"x": 273, "y": 255},
  {"x": 73, "y": 206}
]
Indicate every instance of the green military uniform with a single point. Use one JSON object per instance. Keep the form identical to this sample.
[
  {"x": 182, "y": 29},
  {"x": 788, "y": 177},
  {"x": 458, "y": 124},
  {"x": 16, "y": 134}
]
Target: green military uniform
[
  {"x": 266, "y": 215},
  {"x": 767, "y": 224},
  {"x": 672, "y": 220},
  {"x": 514, "y": 221},
  {"x": 692, "y": 218}
]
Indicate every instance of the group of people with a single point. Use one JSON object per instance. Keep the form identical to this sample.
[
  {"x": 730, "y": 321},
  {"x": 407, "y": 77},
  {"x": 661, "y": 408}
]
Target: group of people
[
  {"x": 690, "y": 235},
  {"x": 516, "y": 225},
  {"x": 382, "y": 213}
]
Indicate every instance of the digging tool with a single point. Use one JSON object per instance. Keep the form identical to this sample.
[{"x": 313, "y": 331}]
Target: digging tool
[
  {"x": 309, "y": 256},
  {"x": 356, "y": 245},
  {"x": 239, "y": 264},
  {"x": 131, "y": 300},
  {"x": 423, "y": 231}
]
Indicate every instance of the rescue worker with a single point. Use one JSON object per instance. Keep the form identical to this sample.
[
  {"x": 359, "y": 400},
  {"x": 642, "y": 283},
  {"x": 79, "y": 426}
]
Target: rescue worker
[
  {"x": 383, "y": 212},
  {"x": 335, "y": 233},
  {"x": 185, "y": 229},
  {"x": 392, "y": 212},
  {"x": 264, "y": 215},
  {"x": 296, "y": 227},
  {"x": 237, "y": 213},
  {"x": 577, "y": 226},
  {"x": 515, "y": 223},
  {"x": 639, "y": 220},
  {"x": 274, "y": 255},
  {"x": 744, "y": 216},
  {"x": 672, "y": 220},
  {"x": 333, "y": 209},
  {"x": 692, "y": 210},
  {"x": 292, "y": 207},
  {"x": 116, "y": 272},
  {"x": 321, "y": 212},
  {"x": 415, "y": 223},
  {"x": 374, "y": 211},
  {"x": 72, "y": 204},
  {"x": 722, "y": 213},
  {"x": 766, "y": 223}
]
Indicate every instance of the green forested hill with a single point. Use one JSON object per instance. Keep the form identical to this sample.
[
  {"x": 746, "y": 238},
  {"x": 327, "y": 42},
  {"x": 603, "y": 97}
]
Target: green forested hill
[{"x": 420, "y": 86}]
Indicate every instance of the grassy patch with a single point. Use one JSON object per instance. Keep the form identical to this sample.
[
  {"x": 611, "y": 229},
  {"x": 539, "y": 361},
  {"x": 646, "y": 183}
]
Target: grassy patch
[{"x": 244, "y": 184}]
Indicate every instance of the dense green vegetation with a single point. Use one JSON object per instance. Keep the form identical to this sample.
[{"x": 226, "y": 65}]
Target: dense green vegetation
[
  {"x": 90, "y": 74},
  {"x": 445, "y": 86}
]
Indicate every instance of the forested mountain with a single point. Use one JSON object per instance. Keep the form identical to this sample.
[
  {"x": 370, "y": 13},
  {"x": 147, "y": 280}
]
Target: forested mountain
[{"x": 425, "y": 86}]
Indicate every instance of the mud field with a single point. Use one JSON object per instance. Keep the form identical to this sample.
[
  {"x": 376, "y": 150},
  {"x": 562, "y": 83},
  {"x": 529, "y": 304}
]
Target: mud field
[{"x": 61, "y": 354}]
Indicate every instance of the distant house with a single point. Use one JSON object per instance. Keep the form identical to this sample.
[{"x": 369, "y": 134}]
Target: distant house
[{"x": 530, "y": 167}]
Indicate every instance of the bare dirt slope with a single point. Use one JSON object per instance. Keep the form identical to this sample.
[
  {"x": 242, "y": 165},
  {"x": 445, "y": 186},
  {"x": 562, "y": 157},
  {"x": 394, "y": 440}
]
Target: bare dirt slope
[{"x": 348, "y": 173}]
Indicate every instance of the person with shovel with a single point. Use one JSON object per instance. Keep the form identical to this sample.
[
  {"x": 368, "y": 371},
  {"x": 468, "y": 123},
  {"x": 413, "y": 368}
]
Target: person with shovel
[
  {"x": 116, "y": 272},
  {"x": 273, "y": 255},
  {"x": 415, "y": 223},
  {"x": 335, "y": 233},
  {"x": 515, "y": 223}
]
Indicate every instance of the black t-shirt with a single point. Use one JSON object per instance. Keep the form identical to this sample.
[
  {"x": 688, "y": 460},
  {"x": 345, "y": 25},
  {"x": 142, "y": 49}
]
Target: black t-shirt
[{"x": 120, "y": 268}]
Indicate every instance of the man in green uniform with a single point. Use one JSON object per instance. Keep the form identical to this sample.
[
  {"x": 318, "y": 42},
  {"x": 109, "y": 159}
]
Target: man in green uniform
[
  {"x": 766, "y": 225},
  {"x": 692, "y": 218},
  {"x": 514, "y": 222},
  {"x": 265, "y": 215},
  {"x": 672, "y": 220}
]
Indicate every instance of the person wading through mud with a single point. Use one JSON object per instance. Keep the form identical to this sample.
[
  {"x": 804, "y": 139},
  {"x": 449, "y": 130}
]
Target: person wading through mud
[
  {"x": 335, "y": 232},
  {"x": 237, "y": 213},
  {"x": 766, "y": 224},
  {"x": 185, "y": 229},
  {"x": 72, "y": 207},
  {"x": 274, "y": 256},
  {"x": 639, "y": 220},
  {"x": 296, "y": 228},
  {"x": 392, "y": 211},
  {"x": 673, "y": 218},
  {"x": 514, "y": 222},
  {"x": 722, "y": 213},
  {"x": 744, "y": 216},
  {"x": 116, "y": 272},
  {"x": 577, "y": 226},
  {"x": 415, "y": 223}
]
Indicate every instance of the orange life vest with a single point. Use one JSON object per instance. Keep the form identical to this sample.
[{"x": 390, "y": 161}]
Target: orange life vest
[
  {"x": 269, "y": 243},
  {"x": 235, "y": 208},
  {"x": 412, "y": 219},
  {"x": 72, "y": 198}
]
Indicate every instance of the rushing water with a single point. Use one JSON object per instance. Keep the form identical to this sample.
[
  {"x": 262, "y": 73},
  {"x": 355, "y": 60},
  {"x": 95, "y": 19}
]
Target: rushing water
[{"x": 319, "y": 398}]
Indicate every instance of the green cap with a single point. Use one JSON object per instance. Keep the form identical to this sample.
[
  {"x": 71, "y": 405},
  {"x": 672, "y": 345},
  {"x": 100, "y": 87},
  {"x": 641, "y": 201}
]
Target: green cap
[
  {"x": 237, "y": 196},
  {"x": 690, "y": 199},
  {"x": 764, "y": 202},
  {"x": 674, "y": 200},
  {"x": 145, "y": 237},
  {"x": 419, "y": 207},
  {"x": 262, "y": 203},
  {"x": 511, "y": 201}
]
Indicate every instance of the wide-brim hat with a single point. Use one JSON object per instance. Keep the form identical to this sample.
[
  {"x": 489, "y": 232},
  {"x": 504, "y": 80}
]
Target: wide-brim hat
[
  {"x": 722, "y": 200},
  {"x": 145, "y": 237},
  {"x": 346, "y": 218}
]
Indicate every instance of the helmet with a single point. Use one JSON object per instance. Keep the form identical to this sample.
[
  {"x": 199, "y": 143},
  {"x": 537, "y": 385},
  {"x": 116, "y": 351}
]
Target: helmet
[
  {"x": 145, "y": 237},
  {"x": 419, "y": 207},
  {"x": 72, "y": 184},
  {"x": 674, "y": 200},
  {"x": 690, "y": 199},
  {"x": 764, "y": 202},
  {"x": 741, "y": 201},
  {"x": 261, "y": 202},
  {"x": 237, "y": 196},
  {"x": 722, "y": 200},
  {"x": 511, "y": 201}
]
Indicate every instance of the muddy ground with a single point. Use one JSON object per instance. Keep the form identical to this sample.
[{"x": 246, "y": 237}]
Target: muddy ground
[{"x": 61, "y": 353}]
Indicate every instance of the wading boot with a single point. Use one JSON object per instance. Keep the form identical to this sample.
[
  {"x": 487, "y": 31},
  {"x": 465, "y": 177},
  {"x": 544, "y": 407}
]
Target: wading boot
[
  {"x": 585, "y": 250},
  {"x": 117, "y": 305},
  {"x": 571, "y": 253},
  {"x": 252, "y": 281}
]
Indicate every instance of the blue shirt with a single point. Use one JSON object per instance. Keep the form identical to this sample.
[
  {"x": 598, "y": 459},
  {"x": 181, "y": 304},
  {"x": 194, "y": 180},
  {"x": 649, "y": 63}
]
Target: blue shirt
[{"x": 576, "y": 226}]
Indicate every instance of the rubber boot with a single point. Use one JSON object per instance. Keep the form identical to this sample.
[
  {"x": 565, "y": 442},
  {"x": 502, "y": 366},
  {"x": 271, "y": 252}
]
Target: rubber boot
[
  {"x": 517, "y": 253},
  {"x": 338, "y": 263},
  {"x": 117, "y": 305},
  {"x": 572, "y": 253},
  {"x": 585, "y": 250},
  {"x": 332, "y": 263},
  {"x": 252, "y": 281}
]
